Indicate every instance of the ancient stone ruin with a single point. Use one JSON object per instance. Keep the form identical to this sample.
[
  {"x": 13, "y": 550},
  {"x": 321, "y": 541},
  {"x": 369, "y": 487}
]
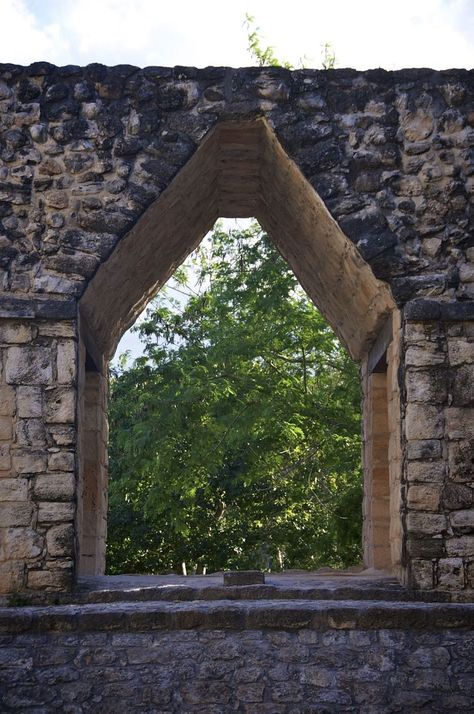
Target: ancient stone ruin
[{"x": 109, "y": 177}]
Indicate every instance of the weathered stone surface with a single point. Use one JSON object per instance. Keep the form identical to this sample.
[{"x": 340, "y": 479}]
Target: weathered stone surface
[
  {"x": 13, "y": 489},
  {"x": 54, "y": 487},
  {"x": 423, "y": 422},
  {"x": 51, "y": 512},
  {"x": 20, "y": 543},
  {"x": 28, "y": 365},
  {"x": 60, "y": 404},
  {"x": 30, "y": 402},
  {"x": 91, "y": 158},
  {"x": 60, "y": 540},
  {"x": 16, "y": 514}
]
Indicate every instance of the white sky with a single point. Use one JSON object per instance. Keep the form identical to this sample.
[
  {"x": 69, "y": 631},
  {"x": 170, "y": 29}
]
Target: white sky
[{"x": 363, "y": 33}]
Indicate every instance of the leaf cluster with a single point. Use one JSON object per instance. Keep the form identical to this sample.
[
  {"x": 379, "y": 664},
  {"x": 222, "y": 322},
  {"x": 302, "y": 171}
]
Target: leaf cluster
[{"x": 235, "y": 439}]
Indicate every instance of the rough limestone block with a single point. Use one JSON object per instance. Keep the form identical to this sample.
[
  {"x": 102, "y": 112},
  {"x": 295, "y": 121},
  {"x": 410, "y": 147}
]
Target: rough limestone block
[
  {"x": 13, "y": 489},
  {"x": 66, "y": 361},
  {"x": 30, "y": 432},
  {"x": 16, "y": 514},
  {"x": 423, "y": 422},
  {"x": 29, "y": 365},
  {"x": 244, "y": 577},
  {"x": 421, "y": 574},
  {"x": 451, "y": 574},
  {"x": 54, "y": 487},
  {"x": 426, "y": 524},
  {"x": 60, "y": 405},
  {"x": 30, "y": 402},
  {"x": 12, "y": 576},
  {"x": 426, "y": 471},
  {"x": 7, "y": 400},
  {"x": 462, "y": 521},
  {"x": 461, "y": 460},
  {"x": 20, "y": 543},
  {"x": 52, "y": 512},
  {"x": 14, "y": 332},
  {"x": 51, "y": 579},
  {"x": 60, "y": 540},
  {"x": 460, "y": 422},
  {"x": 61, "y": 461},
  {"x": 6, "y": 428},
  {"x": 462, "y": 547},
  {"x": 29, "y": 461},
  {"x": 5, "y": 458},
  {"x": 460, "y": 351},
  {"x": 424, "y": 497}
]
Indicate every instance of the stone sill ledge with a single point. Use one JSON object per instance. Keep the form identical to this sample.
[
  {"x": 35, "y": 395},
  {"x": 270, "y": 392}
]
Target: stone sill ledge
[{"x": 231, "y": 615}]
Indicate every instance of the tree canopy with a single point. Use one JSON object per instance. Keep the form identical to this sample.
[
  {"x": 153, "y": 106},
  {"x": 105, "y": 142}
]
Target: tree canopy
[{"x": 235, "y": 439}]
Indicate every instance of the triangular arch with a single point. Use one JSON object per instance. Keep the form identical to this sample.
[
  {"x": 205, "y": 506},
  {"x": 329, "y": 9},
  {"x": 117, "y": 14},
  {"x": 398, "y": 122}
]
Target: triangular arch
[{"x": 239, "y": 170}]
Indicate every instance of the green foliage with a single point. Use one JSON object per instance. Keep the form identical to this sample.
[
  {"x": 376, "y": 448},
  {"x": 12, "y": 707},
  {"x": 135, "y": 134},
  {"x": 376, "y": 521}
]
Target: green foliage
[
  {"x": 328, "y": 56},
  {"x": 235, "y": 439},
  {"x": 264, "y": 56}
]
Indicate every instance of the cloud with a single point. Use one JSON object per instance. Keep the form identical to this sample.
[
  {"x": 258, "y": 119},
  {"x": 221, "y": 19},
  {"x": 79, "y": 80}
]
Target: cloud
[{"x": 367, "y": 33}]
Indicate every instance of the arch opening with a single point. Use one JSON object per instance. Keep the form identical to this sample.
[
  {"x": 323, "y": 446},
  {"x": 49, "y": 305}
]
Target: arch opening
[{"x": 241, "y": 170}]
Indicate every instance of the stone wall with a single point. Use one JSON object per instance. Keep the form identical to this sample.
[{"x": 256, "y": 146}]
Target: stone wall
[
  {"x": 202, "y": 658},
  {"x": 110, "y": 176}
]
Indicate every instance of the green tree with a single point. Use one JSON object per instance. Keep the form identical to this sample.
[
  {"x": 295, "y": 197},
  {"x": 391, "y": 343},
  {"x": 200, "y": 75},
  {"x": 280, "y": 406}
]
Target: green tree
[{"x": 235, "y": 439}]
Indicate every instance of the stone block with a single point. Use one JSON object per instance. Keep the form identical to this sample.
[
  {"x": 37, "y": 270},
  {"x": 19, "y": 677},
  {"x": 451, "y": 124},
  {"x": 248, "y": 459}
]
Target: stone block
[
  {"x": 462, "y": 521},
  {"x": 53, "y": 512},
  {"x": 50, "y": 579},
  {"x": 456, "y": 495},
  {"x": 7, "y": 400},
  {"x": 450, "y": 574},
  {"x": 30, "y": 402},
  {"x": 62, "y": 435},
  {"x": 423, "y": 422},
  {"x": 60, "y": 405},
  {"x": 28, "y": 365},
  {"x": 16, "y": 514},
  {"x": 426, "y": 548},
  {"x": 463, "y": 387},
  {"x": 14, "y": 332},
  {"x": 60, "y": 540},
  {"x": 460, "y": 351},
  {"x": 424, "y": 449},
  {"x": 424, "y": 497},
  {"x": 244, "y": 577},
  {"x": 6, "y": 428},
  {"x": 421, "y": 574},
  {"x": 66, "y": 361},
  {"x": 428, "y": 386},
  {"x": 462, "y": 547},
  {"x": 62, "y": 328},
  {"x": 54, "y": 487},
  {"x": 30, "y": 432},
  {"x": 426, "y": 471},
  {"x": 29, "y": 461},
  {"x": 61, "y": 461},
  {"x": 461, "y": 460},
  {"x": 13, "y": 489},
  {"x": 460, "y": 422},
  {"x": 5, "y": 458},
  {"x": 12, "y": 576},
  {"x": 426, "y": 524},
  {"x": 20, "y": 543},
  {"x": 425, "y": 355}
]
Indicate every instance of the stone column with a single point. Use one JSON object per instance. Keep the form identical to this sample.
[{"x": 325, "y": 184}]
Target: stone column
[
  {"x": 93, "y": 476},
  {"x": 376, "y": 533},
  {"x": 439, "y": 468},
  {"x": 37, "y": 453}
]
